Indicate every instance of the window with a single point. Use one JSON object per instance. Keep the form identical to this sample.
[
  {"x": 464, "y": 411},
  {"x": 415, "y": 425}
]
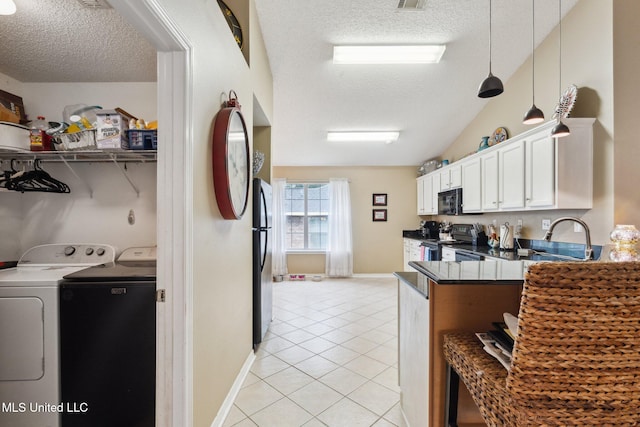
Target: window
[{"x": 307, "y": 211}]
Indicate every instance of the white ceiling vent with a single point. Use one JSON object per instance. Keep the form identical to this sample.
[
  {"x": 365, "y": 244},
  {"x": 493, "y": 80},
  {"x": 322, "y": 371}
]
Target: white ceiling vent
[
  {"x": 95, "y": 4},
  {"x": 411, "y": 4}
]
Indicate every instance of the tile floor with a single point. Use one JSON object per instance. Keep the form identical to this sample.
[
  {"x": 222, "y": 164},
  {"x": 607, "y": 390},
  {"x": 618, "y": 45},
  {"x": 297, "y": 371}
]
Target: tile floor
[{"x": 330, "y": 358}]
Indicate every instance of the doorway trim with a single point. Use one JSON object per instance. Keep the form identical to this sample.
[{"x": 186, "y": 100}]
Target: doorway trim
[{"x": 174, "y": 335}]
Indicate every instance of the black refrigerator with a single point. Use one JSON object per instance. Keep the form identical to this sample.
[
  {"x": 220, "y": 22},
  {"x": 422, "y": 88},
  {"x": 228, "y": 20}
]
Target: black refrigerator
[{"x": 262, "y": 274}]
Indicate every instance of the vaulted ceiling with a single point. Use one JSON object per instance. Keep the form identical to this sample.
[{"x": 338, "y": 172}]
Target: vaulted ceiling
[{"x": 60, "y": 40}]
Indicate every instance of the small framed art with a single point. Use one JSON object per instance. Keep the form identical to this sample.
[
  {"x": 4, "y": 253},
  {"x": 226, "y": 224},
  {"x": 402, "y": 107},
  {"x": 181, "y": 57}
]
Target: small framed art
[
  {"x": 379, "y": 199},
  {"x": 379, "y": 215}
]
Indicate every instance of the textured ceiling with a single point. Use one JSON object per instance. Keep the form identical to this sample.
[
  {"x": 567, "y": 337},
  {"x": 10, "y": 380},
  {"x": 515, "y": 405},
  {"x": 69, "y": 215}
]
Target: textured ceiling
[
  {"x": 61, "y": 41},
  {"x": 429, "y": 104}
]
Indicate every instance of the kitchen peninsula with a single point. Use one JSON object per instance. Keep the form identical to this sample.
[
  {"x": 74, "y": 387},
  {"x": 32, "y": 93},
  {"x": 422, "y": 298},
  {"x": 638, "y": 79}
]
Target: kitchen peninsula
[{"x": 444, "y": 296}]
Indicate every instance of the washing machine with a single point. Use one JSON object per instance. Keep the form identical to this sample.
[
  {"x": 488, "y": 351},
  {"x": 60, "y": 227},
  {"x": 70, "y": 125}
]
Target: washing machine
[
  {"x": 108, "y": 342},
  {"x": 29, "y": 330}
]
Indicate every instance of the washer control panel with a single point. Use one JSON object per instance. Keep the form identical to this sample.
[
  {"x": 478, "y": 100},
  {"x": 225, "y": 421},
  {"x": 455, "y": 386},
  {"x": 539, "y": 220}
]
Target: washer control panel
[{"x": 69, "y": 254}]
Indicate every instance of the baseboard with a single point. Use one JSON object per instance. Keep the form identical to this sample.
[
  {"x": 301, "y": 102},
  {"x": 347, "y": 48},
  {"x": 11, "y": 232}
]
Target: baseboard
[
  {"x": 310, "y": 277},
  {"x": 221, "y": 417}
]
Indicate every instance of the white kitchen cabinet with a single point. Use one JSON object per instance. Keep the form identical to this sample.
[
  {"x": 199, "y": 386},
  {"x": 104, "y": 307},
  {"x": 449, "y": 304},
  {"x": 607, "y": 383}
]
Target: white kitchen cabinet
[
  {"x": 412, "y": 252},
  {"x": 428, "y": 187},
  {"x": 511, "y": 176},
  {"x": 447, "y": 254},
  {"x": 471, "y": 186},
  {"x": 489, "y": 181},
  {"x": 421, "y": 181},
  {"x": 540, "y": 171},
  {"x": 451, "y": 177},
  {"x": 413, "y": 351},
  {"x": 530, "y": 171}
]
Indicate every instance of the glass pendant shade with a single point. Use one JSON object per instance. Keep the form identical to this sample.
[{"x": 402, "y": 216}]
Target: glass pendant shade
[
  {"x": 533, "y": 116},
  {"x": 560, "y": 130},
  {"x": 491, "y": 86}
]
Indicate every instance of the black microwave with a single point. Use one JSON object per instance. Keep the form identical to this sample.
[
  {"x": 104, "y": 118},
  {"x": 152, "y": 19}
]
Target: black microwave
[{"x": 450, "y": 202}]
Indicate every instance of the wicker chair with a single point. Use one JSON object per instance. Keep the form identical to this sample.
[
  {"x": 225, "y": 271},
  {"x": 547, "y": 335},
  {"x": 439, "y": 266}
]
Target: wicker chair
[{"x": 576, "y": 359}]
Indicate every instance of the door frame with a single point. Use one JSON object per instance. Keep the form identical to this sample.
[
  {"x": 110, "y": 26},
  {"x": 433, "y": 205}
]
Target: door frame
[{"x": 174, "y": 372}]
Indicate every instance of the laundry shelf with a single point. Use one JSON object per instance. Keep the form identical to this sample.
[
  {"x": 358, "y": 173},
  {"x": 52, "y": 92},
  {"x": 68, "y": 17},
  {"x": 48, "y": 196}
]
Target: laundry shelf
[
  {"x": 140, "y": 156},
  {"x": 68, "y": 157}
]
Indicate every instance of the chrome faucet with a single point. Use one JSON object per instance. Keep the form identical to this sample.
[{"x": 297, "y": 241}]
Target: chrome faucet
[{"x": 588, "y": 250}]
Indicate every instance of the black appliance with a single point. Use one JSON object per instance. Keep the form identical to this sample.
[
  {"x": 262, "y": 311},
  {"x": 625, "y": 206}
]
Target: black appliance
[
  {"x": 430, "y": 229},
  {"x": 108, "y": 346},
  {"x": 262, "y": 273},
  {"x": 450, "y": 202},
  {"x": 466, "y": 234}
]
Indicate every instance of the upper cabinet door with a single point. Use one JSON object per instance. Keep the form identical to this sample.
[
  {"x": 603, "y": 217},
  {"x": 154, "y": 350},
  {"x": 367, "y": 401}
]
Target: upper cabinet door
[
  {"x": 489, "y": 172},
  {"x": 540, "y": 172},
  {"x": 511, "y": 181},
  {"x": 471, "y": 186}
]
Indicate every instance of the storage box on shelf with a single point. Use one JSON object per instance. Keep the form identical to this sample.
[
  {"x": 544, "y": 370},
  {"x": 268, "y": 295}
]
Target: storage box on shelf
[{"x": 111, "y": 130}]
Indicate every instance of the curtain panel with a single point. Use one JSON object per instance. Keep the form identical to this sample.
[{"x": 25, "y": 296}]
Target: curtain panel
[
  {"x": 339, "y": 255},
  {"x": 279, "y": 248}
]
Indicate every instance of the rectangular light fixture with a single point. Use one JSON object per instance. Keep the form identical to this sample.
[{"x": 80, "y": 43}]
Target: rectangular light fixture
[
  {"x": 363, "y": 136},
  {"x": 392, "y": 54}
]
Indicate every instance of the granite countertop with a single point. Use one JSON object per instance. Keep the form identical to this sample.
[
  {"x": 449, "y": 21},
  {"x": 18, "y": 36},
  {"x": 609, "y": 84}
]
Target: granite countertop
[{"x": 473, "y": 272}]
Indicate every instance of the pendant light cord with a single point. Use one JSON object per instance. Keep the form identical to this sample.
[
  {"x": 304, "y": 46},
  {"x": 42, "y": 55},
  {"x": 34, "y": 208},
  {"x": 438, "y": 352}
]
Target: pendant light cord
[
  {"x": 533, "y": 51},
  {"x": 490, "y": 50},
  {"x": 560, "y": 50}
]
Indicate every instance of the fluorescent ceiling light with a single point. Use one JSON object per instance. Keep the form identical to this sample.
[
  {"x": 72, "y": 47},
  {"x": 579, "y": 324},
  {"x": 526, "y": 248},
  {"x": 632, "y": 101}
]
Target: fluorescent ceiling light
[
  {"x": 417, "y": 54},
  {"x": 7, "y": 7},
  {"x": 367, "y": 136}
]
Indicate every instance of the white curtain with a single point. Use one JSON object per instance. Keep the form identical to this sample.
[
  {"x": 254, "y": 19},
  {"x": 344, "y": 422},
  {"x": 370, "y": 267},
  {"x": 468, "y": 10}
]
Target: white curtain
[
  {"x": 339, "y": 257},
  {"x": 279, "y": 232}
]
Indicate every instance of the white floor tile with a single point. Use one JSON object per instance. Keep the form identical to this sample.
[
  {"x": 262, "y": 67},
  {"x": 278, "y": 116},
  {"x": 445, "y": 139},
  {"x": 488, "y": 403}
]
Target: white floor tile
[
  {"x": 366, "y": 366},
  {"x": 268, "y": 366},
  {"x": 293, "y": 355},
  {"x": 316, "y": 366},
  {"x": 289, "y": 380},
  {"x": 317, "y": 345},
  {"x": 283, "y": 413},
  {"x": 340, "y": 354},
  {"x": 347, "y": 413},
  {"x": 374, "y": 397},
  {"x": 388, "y": 378},
  {"x": 386, "y": 355},
  {"x": 360, "y": 345},
  {"x": 275, "y": 345},
  {"x": 328, "y": 340},
  {"x": 315, "y": 397},
  {"x": 343, "y": 380},
  {"x": 337, "y": 336},
  {"x": 257, "y": 396},
  {"x": 298, "y": 336}
]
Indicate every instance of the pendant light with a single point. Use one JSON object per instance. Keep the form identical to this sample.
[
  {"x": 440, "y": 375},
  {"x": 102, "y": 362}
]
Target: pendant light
[
  {"x": 534, "y": 115},
  {"x": 491, "y": 86},
  {"x": 560, "y": 129}
]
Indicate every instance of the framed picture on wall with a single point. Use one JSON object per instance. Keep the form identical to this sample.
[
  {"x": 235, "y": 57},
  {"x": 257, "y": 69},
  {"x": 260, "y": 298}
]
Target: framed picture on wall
[
  {"x": 379, "y": 215},
  {"x": 380, "y": 199}
]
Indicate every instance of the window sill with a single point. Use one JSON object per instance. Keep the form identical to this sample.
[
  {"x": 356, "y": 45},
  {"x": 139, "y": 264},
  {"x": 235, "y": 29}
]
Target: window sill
[{"x": 306, "y": 252}]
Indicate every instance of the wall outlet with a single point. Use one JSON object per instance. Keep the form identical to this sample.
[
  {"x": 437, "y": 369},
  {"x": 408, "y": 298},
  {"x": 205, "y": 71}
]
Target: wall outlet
[
  {"x": 546, "y": 224},
  {"x": 577, "y": 228}
]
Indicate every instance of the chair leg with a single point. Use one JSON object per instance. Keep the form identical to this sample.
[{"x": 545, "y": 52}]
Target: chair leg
[{"x": 451, "y": 398}]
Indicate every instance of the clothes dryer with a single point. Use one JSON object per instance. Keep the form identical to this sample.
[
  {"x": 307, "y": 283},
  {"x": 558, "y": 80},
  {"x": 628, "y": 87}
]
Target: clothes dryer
[{"x": 29, "y": 331}]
